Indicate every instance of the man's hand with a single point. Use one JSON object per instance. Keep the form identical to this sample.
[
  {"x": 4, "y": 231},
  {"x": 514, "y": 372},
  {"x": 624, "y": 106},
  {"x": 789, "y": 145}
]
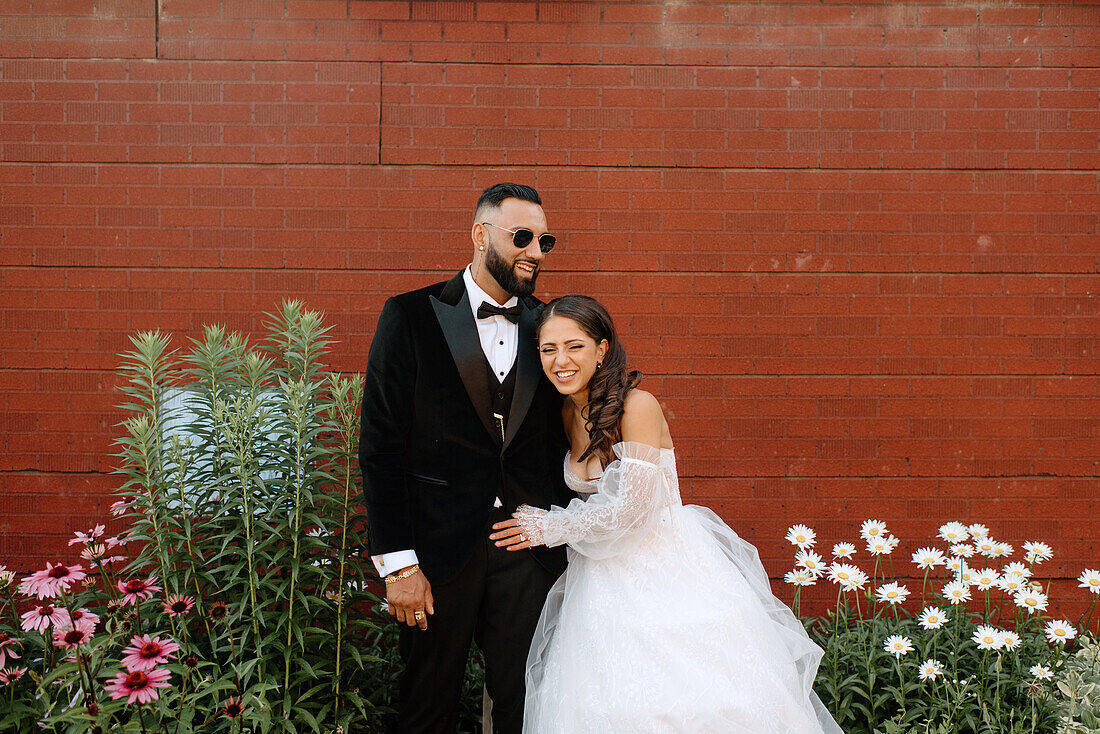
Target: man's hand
[{"x": 410, "y": 600}]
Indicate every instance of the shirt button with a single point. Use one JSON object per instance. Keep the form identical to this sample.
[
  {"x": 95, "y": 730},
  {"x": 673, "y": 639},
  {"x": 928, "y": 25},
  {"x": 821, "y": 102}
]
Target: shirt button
[
  {"x": 502, "y": 344},
  {"x": 502, "y": 374},
  {"x": 500, "y": 396}
]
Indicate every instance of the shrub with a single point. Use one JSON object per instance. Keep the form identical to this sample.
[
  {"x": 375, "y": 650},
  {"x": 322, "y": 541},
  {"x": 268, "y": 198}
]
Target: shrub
[{"x": 237, "y": 597}]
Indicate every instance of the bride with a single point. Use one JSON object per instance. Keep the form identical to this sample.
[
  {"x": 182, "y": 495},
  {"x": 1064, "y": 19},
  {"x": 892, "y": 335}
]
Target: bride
[{"x": 664, "y": 620}]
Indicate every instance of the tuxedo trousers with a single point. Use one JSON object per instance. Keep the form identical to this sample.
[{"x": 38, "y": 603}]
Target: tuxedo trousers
[{"x": 496, "y": 599}]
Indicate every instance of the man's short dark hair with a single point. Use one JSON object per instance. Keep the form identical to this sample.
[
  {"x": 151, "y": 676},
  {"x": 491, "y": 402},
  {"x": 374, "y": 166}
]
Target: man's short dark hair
[{"x": 493, "y": 196}]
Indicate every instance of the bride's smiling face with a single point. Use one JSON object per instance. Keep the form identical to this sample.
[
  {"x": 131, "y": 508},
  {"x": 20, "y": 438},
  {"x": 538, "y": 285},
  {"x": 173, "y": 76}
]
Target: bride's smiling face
[{"x": 569, "y": 355}]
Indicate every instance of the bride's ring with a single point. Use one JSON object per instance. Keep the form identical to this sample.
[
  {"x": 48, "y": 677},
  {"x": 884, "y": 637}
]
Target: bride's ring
[
  {"x": 418, "y": 616},
  {"x": 522, "y": 538}
]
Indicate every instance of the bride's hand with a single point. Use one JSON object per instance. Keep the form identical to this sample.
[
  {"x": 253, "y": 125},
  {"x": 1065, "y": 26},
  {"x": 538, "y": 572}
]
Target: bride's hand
[{"x": 510, "y": 535}]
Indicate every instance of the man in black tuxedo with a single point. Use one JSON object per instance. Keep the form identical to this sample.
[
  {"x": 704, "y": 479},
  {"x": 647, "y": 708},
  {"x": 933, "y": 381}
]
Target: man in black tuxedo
[{"x": 459, "y": 429}]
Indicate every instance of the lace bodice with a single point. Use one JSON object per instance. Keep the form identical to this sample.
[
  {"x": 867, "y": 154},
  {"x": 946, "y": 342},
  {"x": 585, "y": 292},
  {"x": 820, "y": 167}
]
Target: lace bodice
[{"x": 623, "y": 503}]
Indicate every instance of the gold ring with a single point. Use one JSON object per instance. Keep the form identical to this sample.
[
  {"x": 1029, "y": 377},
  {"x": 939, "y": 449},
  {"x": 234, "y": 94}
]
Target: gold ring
[{"x": 418, "y": 616}]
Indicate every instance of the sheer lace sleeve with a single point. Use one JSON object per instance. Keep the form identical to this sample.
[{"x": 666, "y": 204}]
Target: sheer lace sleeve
[{"x": 631, "y": 489}]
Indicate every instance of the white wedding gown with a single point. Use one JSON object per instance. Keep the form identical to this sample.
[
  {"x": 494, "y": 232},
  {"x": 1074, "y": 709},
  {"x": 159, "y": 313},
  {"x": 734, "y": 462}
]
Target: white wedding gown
[{"x": 664, "y": 620}]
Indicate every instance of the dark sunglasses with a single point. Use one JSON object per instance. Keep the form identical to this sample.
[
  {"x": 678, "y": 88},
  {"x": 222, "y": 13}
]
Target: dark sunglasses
[{"x": 522, "y": 237}]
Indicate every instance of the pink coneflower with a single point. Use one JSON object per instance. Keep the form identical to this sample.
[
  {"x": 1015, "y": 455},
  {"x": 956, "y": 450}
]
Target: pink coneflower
[
  {"x": 70, "y": 637},
  {"x": 51, "y": 581},
  {"x": 39, "y": 618},
  {"x": 93, "y": 552},
  {"x": 137, "y": 590},
  {"x": 139, "y": 686},
  {"x": 88, "y": 537},
  {"x": 113, "y": 542},
  {"x": 7, "y": 647},
  {"x": 178, "y": 604},
  {"x": 10, "y": 675},
  {"x": 146, "y": 653},
  {"x": 233, "y": 708},
  {"x": 81, "y": 619}
]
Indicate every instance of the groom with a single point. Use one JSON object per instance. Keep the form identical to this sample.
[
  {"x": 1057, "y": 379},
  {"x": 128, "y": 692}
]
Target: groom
[{"x": 459, "y": 429}]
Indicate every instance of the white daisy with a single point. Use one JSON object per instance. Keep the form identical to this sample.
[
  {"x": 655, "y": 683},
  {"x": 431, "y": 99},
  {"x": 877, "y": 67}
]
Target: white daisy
[
  {"x": 977, "y": 530},
  {"x": 872, "y": 529},
  {"x": 930, "y": 669},
  {"x": 1090, "y": 579},
  {"x": 1016, "y": 569},
  {"x": 810, "y": 561},
  {"x": 1060, "y": 630},
  {"x": 799, "y": 577},
  {"x": 1011, "y": 583},
  {"x": 897, "y": 645},
  {"x": 1037, "y": 552},
  {"x": 985, "y": 546},
  {"x": 954, "y": 532},
  {"x": 985, "y": 578},
  {"x": 1041, "y": 672},
  {"x": 882, "y": 545},
  {"x": 801, "y": 536},
  {"x": 1002, "y": 549},
  {"x": 962, "y": 550},
  {"x": 955, "y": 564},
  {"x": 1009, "y": 640},
  {"x": 928, "y": 558},
  {"x": 848, "y": 576},
  {"x": 1031, "y": 600},
  {"x": 892, "y": 593},
  {"x": 956, "y": 592},
  {"x": 844, "y": 550},
  {"x": 986, "y": 637},
  {"x": 965, "y": 575},
  {"x": 932, "y": 618}
]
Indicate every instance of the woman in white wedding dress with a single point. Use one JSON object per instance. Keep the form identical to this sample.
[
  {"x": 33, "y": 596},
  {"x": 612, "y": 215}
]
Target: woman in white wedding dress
[{"x": 664, "y": 620}]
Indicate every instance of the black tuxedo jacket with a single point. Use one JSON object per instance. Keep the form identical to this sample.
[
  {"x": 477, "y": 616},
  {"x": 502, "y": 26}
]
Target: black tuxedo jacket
[{"x": 431, "y": 456}]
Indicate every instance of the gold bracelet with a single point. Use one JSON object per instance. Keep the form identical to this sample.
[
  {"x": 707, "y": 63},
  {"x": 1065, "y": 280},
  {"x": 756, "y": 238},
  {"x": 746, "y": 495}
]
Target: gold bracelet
[{"x": 402, "y": 574}]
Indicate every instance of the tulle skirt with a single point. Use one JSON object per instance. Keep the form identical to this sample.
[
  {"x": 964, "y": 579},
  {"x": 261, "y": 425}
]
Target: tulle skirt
[{"x": 679, "y": 634}]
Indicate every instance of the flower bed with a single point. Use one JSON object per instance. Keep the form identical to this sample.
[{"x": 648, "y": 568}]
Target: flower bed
[{"x": 982, "y": 655}]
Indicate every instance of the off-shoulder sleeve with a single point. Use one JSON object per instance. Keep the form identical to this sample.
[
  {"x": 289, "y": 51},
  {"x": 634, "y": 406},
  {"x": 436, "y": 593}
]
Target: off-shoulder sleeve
[{"x": 622, "y": 509}]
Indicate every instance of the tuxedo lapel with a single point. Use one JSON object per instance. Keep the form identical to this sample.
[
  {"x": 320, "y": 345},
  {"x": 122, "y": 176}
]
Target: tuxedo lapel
[
  {"x": 528, "y": 368},
  {"x": 460, "y": 331}
]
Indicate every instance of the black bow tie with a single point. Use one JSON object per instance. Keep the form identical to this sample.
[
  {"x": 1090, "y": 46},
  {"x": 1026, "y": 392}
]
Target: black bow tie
[{"x": 485, "y": 310}]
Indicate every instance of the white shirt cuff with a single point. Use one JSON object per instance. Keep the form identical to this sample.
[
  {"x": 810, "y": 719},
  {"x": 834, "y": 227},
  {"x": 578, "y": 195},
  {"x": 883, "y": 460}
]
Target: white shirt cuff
[{"x": 388, "y": 563}]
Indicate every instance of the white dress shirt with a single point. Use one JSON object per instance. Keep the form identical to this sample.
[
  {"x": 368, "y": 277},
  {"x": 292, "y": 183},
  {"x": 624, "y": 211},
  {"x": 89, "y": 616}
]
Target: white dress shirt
[{"x": 499, "y": 338}]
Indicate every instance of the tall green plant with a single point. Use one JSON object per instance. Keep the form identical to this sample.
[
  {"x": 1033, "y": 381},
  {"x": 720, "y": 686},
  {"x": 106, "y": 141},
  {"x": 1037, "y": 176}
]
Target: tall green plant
[{"x": 246, "y": 549}]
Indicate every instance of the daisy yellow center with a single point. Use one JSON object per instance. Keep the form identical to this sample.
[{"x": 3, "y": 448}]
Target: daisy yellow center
[
  {"x": 1094, "y": 582},
  {"x": 891, "y": 594},
  {"x": 987, "y": 640},
  {"x": 1031, "y": 602},
  {"x": 1059, "y": 633}
]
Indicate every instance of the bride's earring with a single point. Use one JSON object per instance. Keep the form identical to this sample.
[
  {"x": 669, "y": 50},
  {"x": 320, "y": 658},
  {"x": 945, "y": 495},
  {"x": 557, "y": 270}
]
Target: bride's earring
[{"x": 599, "y": 364}]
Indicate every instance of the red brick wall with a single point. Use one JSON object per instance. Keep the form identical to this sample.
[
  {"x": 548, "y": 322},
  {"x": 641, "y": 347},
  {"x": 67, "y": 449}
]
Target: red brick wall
[{"x": 853, "y": 246}]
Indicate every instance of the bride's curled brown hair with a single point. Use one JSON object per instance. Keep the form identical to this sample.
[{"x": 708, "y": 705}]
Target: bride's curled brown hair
[{"x": 613, "y": 379}]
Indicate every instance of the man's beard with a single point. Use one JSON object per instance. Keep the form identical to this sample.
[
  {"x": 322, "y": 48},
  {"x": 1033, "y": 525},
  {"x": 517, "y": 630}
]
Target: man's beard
[{"x": 504, "y": 274}]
